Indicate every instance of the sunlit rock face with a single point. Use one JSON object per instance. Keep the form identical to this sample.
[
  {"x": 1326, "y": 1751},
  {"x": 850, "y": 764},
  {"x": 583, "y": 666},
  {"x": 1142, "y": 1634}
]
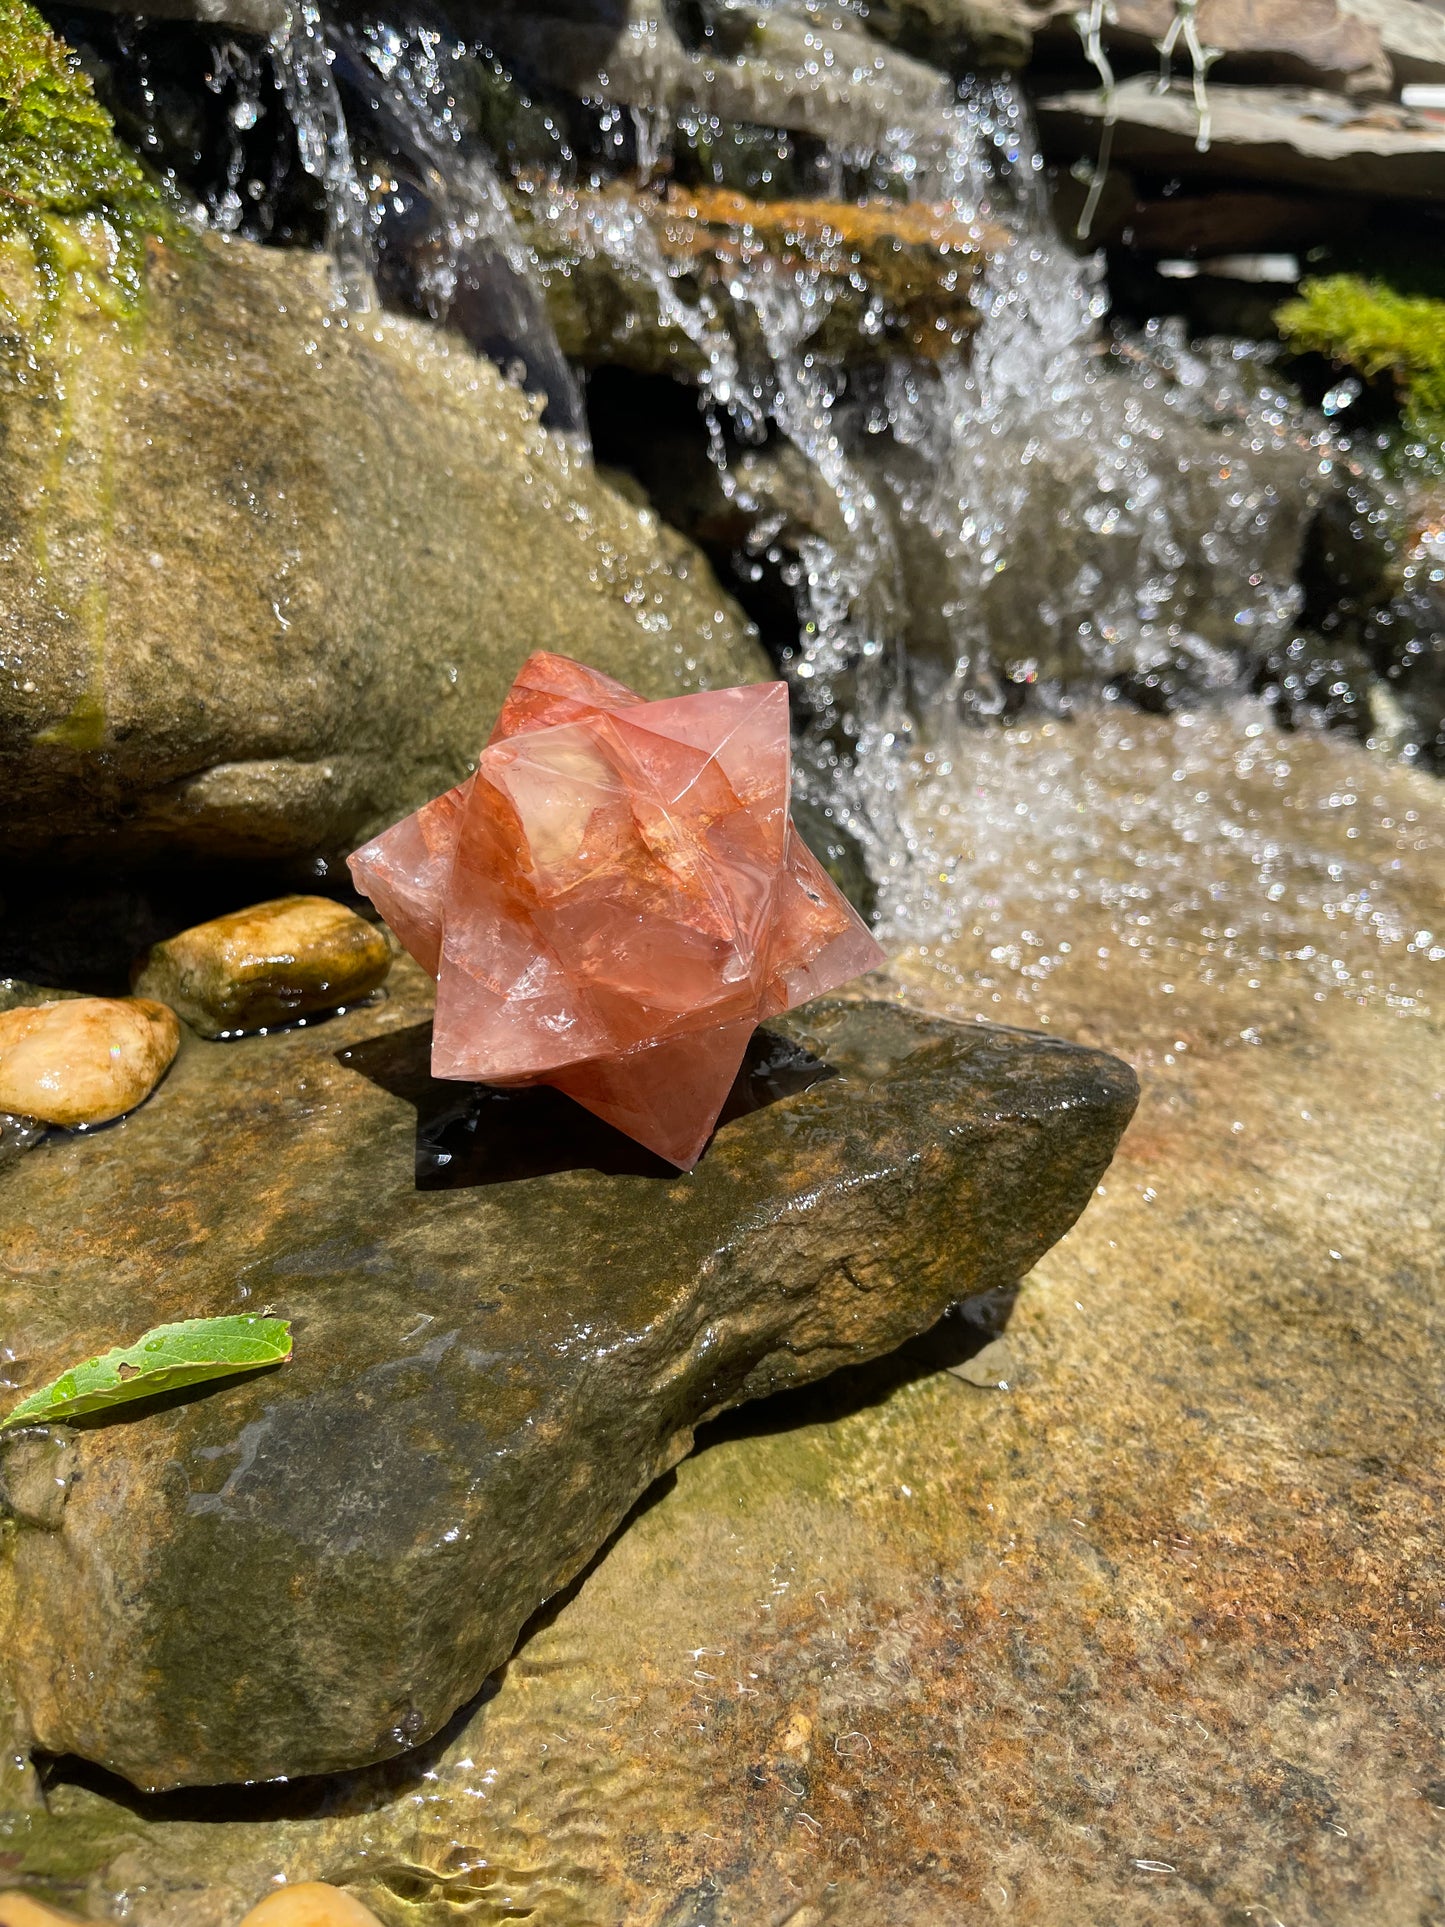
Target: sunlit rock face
[
  {"x": 509, "y": 1320},
  {"x": 281, "y": 570},
  {"x": 616, "y": 899}
]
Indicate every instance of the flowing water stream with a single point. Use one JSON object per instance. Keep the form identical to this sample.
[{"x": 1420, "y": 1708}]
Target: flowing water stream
[
  {"x": 1047, "y": 515},
  {"x": 1045, "y": 518}
]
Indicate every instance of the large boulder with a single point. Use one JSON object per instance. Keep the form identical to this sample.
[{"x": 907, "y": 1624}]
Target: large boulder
[
  {"x": 508, "y": 1321},
  {"x": 267, "y": 567}
]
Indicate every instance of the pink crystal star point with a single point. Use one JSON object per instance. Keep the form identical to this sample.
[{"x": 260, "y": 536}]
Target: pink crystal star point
[{"x": 616, "y": 898}]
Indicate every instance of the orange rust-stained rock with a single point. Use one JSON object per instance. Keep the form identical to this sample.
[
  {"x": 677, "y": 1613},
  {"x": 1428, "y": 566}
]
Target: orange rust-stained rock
[
  {"x": 919, "y": 258},
  {"x": 914, "y": 264},
  {"x": 860, "y": 225}
]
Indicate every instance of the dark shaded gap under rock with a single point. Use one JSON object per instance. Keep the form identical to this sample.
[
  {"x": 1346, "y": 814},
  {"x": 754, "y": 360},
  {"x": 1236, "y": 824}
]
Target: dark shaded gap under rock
[{"x": 80, "y": 926}]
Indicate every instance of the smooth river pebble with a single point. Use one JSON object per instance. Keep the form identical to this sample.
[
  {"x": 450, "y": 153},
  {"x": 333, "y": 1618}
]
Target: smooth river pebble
[
  {"x": 309, "y": 1903},
  {"x": 85, "y": 1059},
  {"x": 267, "y": 965},
  {"x": 19, "y": 1910}
]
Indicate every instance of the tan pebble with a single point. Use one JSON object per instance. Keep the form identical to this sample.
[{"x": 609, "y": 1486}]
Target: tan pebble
[
  {"x": 266, "y": 965},
  {"x": 797, "y": 1734},
  {"x": 19, "y": 1910},
  {"x": 86, "y": 1059},
  {"x": 310, "y": 1903}
]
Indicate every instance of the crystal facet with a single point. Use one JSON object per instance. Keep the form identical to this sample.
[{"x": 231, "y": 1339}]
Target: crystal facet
[{"x": 616, "y": 898}]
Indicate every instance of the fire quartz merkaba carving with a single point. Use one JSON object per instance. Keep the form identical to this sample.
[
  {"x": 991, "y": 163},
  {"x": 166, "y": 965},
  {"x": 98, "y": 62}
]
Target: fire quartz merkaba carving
[{"x": 616, "y": 898}]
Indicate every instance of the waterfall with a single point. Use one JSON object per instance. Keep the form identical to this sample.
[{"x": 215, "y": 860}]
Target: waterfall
[
  {"x": 323, "y": 143},
  {"x": 460, "y": 258},
  {"x": 430, "y": 225},
  {"x": 1047, "y": 513},
  {"x": 1042, "y": 510}
]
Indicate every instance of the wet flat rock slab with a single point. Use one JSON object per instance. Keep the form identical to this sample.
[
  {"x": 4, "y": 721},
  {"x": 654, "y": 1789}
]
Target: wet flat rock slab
[{"x": 508, "y": 1322}]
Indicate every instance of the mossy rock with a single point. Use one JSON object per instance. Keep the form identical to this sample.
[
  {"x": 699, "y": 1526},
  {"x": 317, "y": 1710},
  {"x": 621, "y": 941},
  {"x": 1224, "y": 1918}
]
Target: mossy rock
[
  {"x": 1369, "y": 326},
  {"x": 267, "y": 569},
  {"x": 76, "y": 209}
]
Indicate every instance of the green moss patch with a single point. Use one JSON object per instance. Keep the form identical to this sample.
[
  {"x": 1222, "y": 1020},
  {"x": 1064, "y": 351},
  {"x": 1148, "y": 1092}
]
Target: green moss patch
[
  {"x": 1368, "y": 326},
  {"x": 76, "y": 208}
]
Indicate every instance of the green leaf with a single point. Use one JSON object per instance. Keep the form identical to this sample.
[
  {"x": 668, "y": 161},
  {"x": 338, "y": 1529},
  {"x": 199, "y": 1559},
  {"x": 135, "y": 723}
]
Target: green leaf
[{"x": 168, "y": 1357}]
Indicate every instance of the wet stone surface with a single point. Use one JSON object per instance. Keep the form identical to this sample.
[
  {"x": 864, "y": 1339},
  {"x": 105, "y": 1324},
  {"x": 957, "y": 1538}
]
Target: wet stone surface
[
  {"x": 1289, "y": 137},
  {"x": 291, "y": 654},
  {"x": 508, "y": 1321},
  {"x": 1153, "y": 1634}
]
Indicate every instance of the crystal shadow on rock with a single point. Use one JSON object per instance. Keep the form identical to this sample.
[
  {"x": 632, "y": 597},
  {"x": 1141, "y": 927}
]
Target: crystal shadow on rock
[{"x": 479, "y": 1134}]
